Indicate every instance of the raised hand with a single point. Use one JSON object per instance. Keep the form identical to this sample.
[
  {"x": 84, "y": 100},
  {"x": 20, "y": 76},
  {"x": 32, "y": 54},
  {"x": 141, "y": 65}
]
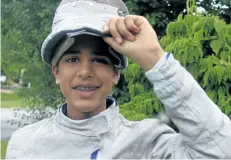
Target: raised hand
[{"x": 134, "y": 37}]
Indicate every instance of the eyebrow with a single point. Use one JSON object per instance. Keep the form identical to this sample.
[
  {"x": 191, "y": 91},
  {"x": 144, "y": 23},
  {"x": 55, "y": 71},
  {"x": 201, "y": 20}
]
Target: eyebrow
[{"x": 71, "y": 53}]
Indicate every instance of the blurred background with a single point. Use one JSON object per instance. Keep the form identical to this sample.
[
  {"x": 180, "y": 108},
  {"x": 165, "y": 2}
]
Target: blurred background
[{"x": 198, "y": 33}]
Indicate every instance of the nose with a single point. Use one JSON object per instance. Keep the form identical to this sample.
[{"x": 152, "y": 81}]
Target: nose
[{"x": 85, "y": 69}]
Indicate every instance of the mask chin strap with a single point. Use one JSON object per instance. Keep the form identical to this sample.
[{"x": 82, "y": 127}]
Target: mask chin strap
[
  {"x": 114, "y": 54},
  {"x": 65, "y": 44}
]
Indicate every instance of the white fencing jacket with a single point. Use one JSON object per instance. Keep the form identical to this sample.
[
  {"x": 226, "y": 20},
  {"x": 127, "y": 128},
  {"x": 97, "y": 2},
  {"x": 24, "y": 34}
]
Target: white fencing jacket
[{"x": 205, "y": 132}]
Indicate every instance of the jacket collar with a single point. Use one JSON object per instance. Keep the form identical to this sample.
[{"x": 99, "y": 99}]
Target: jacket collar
[{"x": 93, "y": 126}]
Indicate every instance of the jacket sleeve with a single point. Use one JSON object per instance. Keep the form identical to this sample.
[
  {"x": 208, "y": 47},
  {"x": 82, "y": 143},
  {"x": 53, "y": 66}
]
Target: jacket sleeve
[
  {"x": 12, "y": 148},
  {"x": 205, "y": 132}
]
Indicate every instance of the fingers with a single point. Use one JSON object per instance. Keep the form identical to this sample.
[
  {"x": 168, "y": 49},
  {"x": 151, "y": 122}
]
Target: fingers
[
  {"x": 122, "y": 28},
  {"x": 112, "y": 23},
  {"x": 131, "y": 25}
]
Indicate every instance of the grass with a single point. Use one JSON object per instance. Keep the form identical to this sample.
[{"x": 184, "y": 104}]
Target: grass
[
  {"x": 11, "y": 100},
  {"x": 3, "y": 148}
]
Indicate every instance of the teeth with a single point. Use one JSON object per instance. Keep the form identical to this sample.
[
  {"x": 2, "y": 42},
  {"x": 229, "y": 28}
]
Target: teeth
[{"x": 85, "y": 89}]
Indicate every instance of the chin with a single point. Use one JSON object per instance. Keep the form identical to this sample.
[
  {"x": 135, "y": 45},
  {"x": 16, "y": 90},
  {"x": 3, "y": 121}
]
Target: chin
[{"x": 86, "y": 107}]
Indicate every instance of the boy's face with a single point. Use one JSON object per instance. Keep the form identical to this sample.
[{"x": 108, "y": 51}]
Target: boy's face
[{"x": 86, "y": 76}]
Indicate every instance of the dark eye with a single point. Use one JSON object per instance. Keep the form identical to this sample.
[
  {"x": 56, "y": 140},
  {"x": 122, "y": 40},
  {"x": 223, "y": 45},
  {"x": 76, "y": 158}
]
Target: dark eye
[
  {"x": 72, "y": 60},
  {"x": 101, "y": 61}
]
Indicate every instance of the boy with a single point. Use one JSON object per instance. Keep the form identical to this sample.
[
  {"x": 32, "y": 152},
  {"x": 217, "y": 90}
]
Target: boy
[{"x": 87, "y": 48}]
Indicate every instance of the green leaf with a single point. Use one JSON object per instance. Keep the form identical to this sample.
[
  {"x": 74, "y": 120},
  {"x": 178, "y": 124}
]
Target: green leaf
[
  {"x": 198, "y": 36},
  {"x": 170, "y": 30},
  {"x": 227, "y": 109},
  {"x": 165, "y": 42},
  {"x": 213, "y": 76},
  {"x": 208, "y": 25},
  {"x": 215, "y": 60},
  {"x": 205, "y": 64},
  {"x": 180, "y": 17},
  {"x": 227, "y": 74},
  {"x": 216, "y": 46},
  {"x": 206, "y": 77},
  {"x": 224, "y": 55},
  {"x": 197, "y": 26},
  {"x": 221, "y": 92},
  {"x": 212, "y": 94},
  {"x": 193, "y": 69},
  {"x": 228, "y": 30},
  {"x": 219, "y": 26},
  {"x": 219, "y": 73},
  {"x": 228, "y": 40}
]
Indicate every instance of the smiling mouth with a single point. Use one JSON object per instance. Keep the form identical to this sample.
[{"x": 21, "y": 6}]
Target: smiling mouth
[{"x": 85, "y": 89}]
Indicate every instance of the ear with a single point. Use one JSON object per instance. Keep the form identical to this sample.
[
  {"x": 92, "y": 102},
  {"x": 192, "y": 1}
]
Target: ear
[
  {"x": 55, "y": 71},
  {"x": 116, "y": 77}
]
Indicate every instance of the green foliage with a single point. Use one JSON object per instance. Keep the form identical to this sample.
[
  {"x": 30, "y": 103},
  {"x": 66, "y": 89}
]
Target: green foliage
[
  {"x": 25, "y": 24},
  {"x": 132, "y": 115},
  {"x": 22, "y": 31},
  {"x": 205, "y": 51},
  {"x": 143, "y": 103}
]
